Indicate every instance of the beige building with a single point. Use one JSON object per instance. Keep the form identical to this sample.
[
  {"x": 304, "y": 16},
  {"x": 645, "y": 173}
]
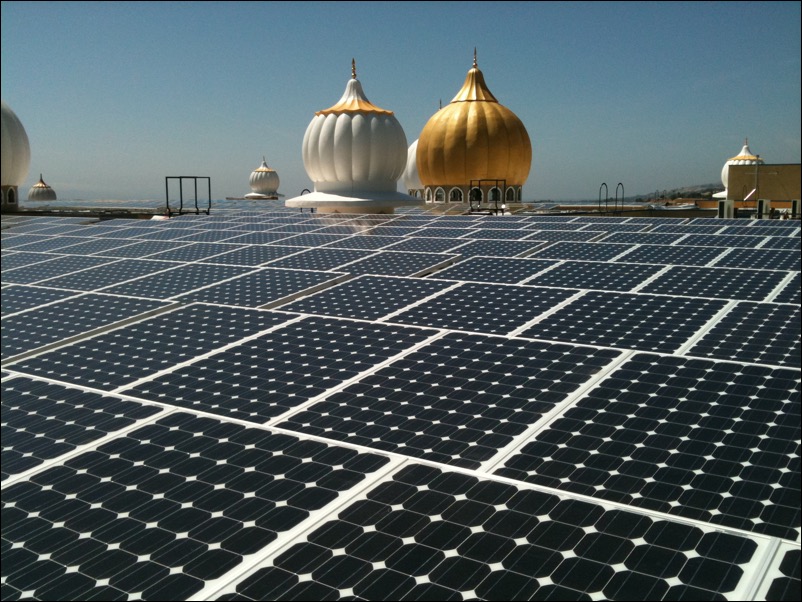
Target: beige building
[{"x": 775, "y": 182}]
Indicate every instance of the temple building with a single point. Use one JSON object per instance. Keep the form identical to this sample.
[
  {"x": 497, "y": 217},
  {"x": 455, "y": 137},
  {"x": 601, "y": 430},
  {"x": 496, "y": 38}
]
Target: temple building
[
  {"x": 745, "y": 157},
  {"x": 355, "y": 153},
  {"x": 474, "y": 149},
  {"x": 41, "y": 192},
  {"x": 16, "y": 157}
]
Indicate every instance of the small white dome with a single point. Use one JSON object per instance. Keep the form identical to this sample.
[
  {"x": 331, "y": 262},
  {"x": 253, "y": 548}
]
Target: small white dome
[
  {"x": 354, "y": 146},
  {"x": 264, "y": 180},
  {"x": 745, "y": 157},
  {"x": 41, "y": 191},
  {"x": 14, "y": 148},
  {"x": 411, "y": 176}
]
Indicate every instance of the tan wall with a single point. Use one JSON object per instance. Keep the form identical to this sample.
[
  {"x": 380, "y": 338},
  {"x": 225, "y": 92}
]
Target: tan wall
[{"x": 773, "y": 182}]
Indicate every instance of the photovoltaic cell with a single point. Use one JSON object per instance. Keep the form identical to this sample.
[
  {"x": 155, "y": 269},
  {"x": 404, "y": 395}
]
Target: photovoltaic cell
[
  {"x": 126, "y": 354},
  {"x": 320, "y": 259},
  {"x": 776, "y": 242},
  {"x": 710, "y": 441},
  {"x": 391, "y": 263},
  {"x": 266, "y": 376},
  {"x": 790, "y": 293},
  {"x": 429, "y": 245},
  {"x": 629, "y": 321},
  {"x": 365, "y": 242},
  {"x": 42, "y": 421},
  {"x": 646, "y": 238},
  {"x": 56, "y": 266},
  {"x": 721, "y": 240},
  {"x": 499, "y": 248},
  {"x": 16, "y": 259},
  {"x": 761, "y": 259},
  {"x": 458, "y": 400}
]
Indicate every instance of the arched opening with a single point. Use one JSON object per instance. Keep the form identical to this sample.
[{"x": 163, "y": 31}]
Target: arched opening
[
  {"x": 510, "y": 195},
  {"x": 428, "y": 195},
  {"x": 12, "y": 197},
  {"x": 455, "y": 196},
  {"x": 495, "y": 195},
  {"x": 476, "y": 195},
  {"x": 440, "y": 196},
  {"x": 520, "y": 194}
]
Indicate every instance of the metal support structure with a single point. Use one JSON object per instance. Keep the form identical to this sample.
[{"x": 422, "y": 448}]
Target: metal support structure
[
  {"x": 606, "y": 196},
  {"x": 181, "y": 179},
  {"x": 615, "y": 207},
  {"x": 499, "y": 185}
]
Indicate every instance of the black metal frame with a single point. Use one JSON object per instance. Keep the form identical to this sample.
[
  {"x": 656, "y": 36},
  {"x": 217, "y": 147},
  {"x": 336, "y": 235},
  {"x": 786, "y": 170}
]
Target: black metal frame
[
  {"x": 478, "y": 184},
  {"x": 181, "y": 179}
]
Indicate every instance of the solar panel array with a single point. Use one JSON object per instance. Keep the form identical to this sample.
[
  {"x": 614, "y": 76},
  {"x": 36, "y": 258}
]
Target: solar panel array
[{"x": 264, "y": 404}]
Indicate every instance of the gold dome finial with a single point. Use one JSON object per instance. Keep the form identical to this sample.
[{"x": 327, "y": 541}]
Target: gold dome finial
[
  {"x": 474, "y": 58},
  {"x": 353, "y": 69}
]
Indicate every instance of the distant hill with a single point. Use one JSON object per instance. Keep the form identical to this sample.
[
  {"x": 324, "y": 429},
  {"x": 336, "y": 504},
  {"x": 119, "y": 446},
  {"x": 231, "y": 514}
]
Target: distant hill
[{"x": 697, "y": 191}]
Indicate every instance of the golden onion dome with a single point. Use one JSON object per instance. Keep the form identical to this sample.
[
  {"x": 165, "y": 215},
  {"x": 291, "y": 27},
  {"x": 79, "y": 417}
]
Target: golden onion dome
[{"x": 474, "y": 138}]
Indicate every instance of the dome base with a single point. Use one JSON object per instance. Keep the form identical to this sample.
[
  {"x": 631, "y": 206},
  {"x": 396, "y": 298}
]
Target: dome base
[{"x": 378, "y": 202}]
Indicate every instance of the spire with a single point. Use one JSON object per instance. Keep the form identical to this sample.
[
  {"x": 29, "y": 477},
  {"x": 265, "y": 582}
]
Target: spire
[
  {"x": 353, "y": 99},
  {"x": 353, "y": 69},
  {"x": 474, "y": 87}
]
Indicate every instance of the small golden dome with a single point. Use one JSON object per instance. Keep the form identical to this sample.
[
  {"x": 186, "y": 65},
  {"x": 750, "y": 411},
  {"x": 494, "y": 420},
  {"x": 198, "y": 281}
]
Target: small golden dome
[{"x": 474, "y": 138}]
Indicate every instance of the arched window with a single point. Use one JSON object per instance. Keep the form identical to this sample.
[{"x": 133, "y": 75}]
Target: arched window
[
  {"x": 476, "y": 195},
  {"x": 455, "y": 196},
  {"x": 12, "y": 197},
  {"x": 439, "y": 196},
  {"x": 510, "y": 196},
  {"x": 495, "y": 195},
  {"x": 520, "y": 194},
  {"x": 428, "y": 195}
]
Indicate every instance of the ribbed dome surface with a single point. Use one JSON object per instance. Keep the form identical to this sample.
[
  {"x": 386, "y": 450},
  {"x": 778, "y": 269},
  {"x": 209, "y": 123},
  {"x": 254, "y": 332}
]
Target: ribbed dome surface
[
  {"x": 14, "y": 148},
  {"x": 474, "y": 137},
  {"x": 41, "y": 191},
  {"x": 354, "y": 145},
  {"x": 264, "y": 180},
  {"x": 745, "y": 157},
  {"x": 411, "y": 177}
]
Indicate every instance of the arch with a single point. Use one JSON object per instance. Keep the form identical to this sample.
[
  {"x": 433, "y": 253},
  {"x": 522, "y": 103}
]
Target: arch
[
  {"x": 476, "y": 195},
  {"x": 494, "y": 194},
  {"x": 509, "y": 197},
  {"x": 439, "y": 195},
  {"x": 455, "y": 196},
  {"x": 520, "y": 194},
  {"x": 429, "y": 195},
  {"x": 12, "y": 196}
]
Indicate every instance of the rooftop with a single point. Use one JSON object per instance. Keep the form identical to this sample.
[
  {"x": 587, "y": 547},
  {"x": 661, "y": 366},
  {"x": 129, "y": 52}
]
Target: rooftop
[{"x": 278, "y": 405}]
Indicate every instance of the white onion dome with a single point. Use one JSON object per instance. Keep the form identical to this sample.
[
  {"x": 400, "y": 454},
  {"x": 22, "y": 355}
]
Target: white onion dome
[
  {"x": 15, "y": 149},
  {"x": 354, "y": 145},
  {"x": 41, "y": 191},
  {"x": 745, "y": 157},
  {"x": 264, "y": 180},
  {"x": 411, "y": 176}
]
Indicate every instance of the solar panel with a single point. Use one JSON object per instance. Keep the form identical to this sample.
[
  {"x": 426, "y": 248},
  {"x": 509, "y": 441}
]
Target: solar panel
[
  {"x": 400, "y": 263},
  {"x": 721, "y": 283},
  {"x": 367, "y": 297},
  {"x": 57, "y": 265},
  {"x": 756, "y": 333},
  {"x": 496, "y": 418},
  {"x": 586, "y": 274},
  {"x": 264, "y": 288},
  {"x": 106, "y": 272},
  {"x": 176, "y": 281},
  {"x": 19, "y": 298},
  {"x": 582, "y": 250},
  {"x": 703, "y": 440},
  {"x": 494, "y": 269},
  {"x": 134, "y": 351},
  {"x": 198, "y": 508},
  {"x": 58, "y": 321},
  {"x": 43, "y": 421},
  {"x": 457, "y": 400},
  {"x": 484, "y": 307},
  {"x": 281, "y": 369}
]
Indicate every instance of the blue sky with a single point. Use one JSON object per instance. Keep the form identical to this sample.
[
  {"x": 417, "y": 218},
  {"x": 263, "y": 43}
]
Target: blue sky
[{"x": 116, "y": 96}]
